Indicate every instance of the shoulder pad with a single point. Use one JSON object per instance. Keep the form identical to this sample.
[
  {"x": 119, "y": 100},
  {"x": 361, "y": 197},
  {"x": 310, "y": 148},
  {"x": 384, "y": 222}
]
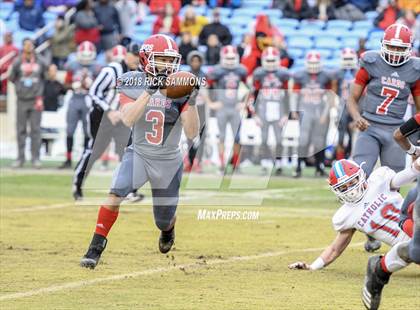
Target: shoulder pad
[
  {"x": 298, "y": 75},
  {"x": 416, "y": 63},
  {"x": 131, "y": 83},
  {"x": 242, "y": 70},
  {"x": 258, "y": 73},
  {"x": 369, "y": 57},
  {"x": 215, "y": 72}
]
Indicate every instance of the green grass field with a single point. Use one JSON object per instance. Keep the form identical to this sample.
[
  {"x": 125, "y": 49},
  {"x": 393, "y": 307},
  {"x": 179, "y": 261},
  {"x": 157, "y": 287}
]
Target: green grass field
[{"x": 216, "y": 264}]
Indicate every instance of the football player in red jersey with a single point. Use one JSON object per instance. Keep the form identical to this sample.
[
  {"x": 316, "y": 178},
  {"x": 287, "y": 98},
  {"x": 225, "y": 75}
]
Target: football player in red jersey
[
  {"x": 382, "y": 86},
  {"x": 154, "y": 155}
]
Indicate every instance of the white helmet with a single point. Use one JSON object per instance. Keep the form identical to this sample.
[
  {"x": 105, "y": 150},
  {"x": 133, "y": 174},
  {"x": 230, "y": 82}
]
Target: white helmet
[
  {"x": 270, "y": 58},
  {"x": 348, "y": 58},
  {"x": 118, "y": 53},
  {"x": 86, "y": 53},
  {"x": 313, "y": 62},
  {"x": 229, "y": 57}
]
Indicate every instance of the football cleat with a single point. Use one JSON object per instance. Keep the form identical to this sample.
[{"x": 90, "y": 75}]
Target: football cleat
[
  {"x": 372, "y": 245},
  {"x": 93, "y": 254},
  {"x": 134, "y": 197},
  {"x": 36, "y": 164},
  {"x": 17, "y": 164},
  {"x": 279, "y": 172},
  {"x": 166, "y": 240},
  {"x": 297, "y": 173},
  {"x": 77, "y": 193},
  {"x": 65, "y": 165},
  {"x": 375, "y": 281}
]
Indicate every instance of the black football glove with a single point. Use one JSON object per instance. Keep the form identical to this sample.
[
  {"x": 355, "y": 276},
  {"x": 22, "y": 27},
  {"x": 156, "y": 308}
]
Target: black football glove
[{"x": 155, "y": 83}]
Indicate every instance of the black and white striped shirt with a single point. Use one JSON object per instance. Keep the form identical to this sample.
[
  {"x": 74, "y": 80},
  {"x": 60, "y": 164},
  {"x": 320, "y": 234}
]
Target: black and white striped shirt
[{"x": 103, "y": 90}]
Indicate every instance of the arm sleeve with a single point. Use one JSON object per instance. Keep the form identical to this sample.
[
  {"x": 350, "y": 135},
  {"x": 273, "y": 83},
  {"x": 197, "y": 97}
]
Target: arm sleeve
[
  {"x": 411, "y": 126},
  {"x": 100, "y": 86},
  {"x": 362, "y": 77}
]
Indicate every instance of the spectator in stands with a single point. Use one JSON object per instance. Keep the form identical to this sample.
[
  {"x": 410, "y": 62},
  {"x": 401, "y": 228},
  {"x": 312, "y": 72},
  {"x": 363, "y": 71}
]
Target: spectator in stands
[
  {"x": 186, "y": 46},
  {"x": 159, "y": 6},
  {"x": 30, "y": 16},
  {"x": 298, "y": 9},
  {"x": 246, "y": 41},
  {"x": 264, "y": 35},
  {"x": 86, "y": 23},
  {"x": 28, "y": 74},
  {"x": 362, "y": 47},
  {"x": 408, "y": 19},
  {"x": 234, "y": 4},
  {"x": 388, "y": 15},
  {"x": 62, "y": 43},
  {"x": 59, "y": 6},
  {"x": 409, "y": 5},
  {"x": 213, "y": 50},
  {"x": 216, "y": 27},
  {"x": 364, "y": 5},
  {"x": 8, "y": 48},
  {"x": 168, "y": 22},
  {"x": 53, "y": 90},
  {"x": 193, "y": 23},
  {"x": 127, "y": 12},
  {"x": 347, "y": 11},
  {"x": 109, "y": 24},
  {"x": 324, "y": 10}
]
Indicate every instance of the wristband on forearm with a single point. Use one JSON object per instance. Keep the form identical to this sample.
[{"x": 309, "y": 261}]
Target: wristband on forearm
[{"x": 317, "y": 264}]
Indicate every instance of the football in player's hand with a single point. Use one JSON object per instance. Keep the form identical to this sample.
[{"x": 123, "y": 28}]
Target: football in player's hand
[{"x": 179, "y": 84}]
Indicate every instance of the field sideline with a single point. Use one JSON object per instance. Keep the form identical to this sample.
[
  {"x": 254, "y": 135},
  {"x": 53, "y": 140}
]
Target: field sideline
[{"x": 216, "y": 264}]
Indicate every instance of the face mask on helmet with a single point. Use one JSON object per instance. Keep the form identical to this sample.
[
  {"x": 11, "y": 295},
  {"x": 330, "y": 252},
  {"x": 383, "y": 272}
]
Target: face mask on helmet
[
  {"x": 350, "y": 189},
  {"x": 229, "y": 57},
  {"x": 86, "y": 53},
  {"x": 396, "y": 45},
  {"x": 159, "y": 55},
  {"x": 313, "y": 62},
  {"x": 270, "y": 59},
  {"x": 348, "y": 59}
]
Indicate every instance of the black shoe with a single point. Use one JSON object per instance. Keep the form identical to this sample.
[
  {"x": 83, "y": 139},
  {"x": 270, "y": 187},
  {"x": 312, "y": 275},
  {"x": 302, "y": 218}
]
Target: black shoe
[
  {"x": 297, "y": 173},
  {"x": 93, "y": 254},
  {"x": 77, "y": 193},
  {"x": 279, "y": 172},
  {"x": 166, "y": 240},
  {"x": 320, "y": 173},
  {"x": 375, "y": 281},
  {"x": 65, "y": 165},
  {"x": 372, "y": 245}
]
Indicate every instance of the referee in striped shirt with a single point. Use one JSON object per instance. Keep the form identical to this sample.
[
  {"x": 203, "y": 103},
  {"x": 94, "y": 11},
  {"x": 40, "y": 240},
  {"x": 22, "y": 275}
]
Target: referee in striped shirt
[{"x": 104, "y": 123}]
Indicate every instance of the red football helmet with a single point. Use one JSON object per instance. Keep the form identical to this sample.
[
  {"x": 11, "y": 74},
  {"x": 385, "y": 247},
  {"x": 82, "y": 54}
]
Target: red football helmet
[
  {"x": 86, "y": 53},
  {"x": 348, "y": 181},
  {"x": 313, "y": 62},
  {"x": 118, "y": 53},
  {"x": 229, "y": 57},
  {"x": 270, "y": 58},
  {"x": 159, "y": 45},
  {"x": 348, "y": 58},
  {"x": 397, "y": 43}
]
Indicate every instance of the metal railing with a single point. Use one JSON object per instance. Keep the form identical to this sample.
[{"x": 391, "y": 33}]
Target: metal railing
[{"x": 40, "y": 48}]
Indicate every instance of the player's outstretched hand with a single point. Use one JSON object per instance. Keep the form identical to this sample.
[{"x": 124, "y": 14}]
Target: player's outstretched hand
[
  {"x": 362, "y": 124},
  {"x": 299, "y": 266}
]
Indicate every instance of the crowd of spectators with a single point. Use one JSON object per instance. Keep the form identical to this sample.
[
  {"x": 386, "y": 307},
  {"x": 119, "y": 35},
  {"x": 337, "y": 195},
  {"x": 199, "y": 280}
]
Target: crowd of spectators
[{"x": 107, "y": 23}]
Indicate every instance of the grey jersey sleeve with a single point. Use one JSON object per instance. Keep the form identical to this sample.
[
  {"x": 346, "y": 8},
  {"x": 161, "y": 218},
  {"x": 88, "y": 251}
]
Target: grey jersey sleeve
[{"x": 132, "y": 84}]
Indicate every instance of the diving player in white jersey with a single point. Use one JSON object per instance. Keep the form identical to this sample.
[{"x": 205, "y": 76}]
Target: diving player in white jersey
[{"x": 371, "y": 206}]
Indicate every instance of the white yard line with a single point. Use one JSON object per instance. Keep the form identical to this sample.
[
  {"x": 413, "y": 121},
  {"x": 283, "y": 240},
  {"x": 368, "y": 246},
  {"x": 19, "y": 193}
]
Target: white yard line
[
  {"x": 39, "y": 208},
  {"x": 136, "y": 274}
]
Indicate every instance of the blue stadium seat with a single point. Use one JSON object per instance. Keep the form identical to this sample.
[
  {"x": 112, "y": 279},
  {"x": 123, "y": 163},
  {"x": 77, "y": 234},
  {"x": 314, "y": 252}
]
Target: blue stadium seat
[
  {"x": 256, "y": 3},
  {"x": 289, "y": 32},
  {"x": 101, "y": 59},
  {"x": 140, "y": 37},
  {"x": 362, "y": 24},
  {"x": 360, "y": 33},
  {"x": 335, "y": 33},
  {"x": 336, "y": 54},
  {"x": 376, "y": 35},
  {"x": 352, "y": 42},
  {"x": 235, "y": 22},
  {"x": 310, "y": 23},
  {"x": 236, "y": 40},
  {"x": 19, "y": 35},
  {"x": 327, "y": 43},
  {"x": 332, "y": 63},
  {"x": 6, "y": 6},
  {"x": 371, "y": 15},
  {"x": 373, "y": 44},
  {"x": 245, "y": 12},
  {"x": 149, "y": 19},
  {"x": 325, "y": 53},
  {"x": 311, "y": 32},
  {"x": 143, "y": 28},
  {"x": 287, "y": 22},
  {"x": 49, "y": 16},
  {"x": 300, "y": 62},
  {"x": 272, "y": 13},
  {"x": 296, "y": 52},
  {"x": 339, "y": 24},
  {"x": 300, "y": 42}
]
